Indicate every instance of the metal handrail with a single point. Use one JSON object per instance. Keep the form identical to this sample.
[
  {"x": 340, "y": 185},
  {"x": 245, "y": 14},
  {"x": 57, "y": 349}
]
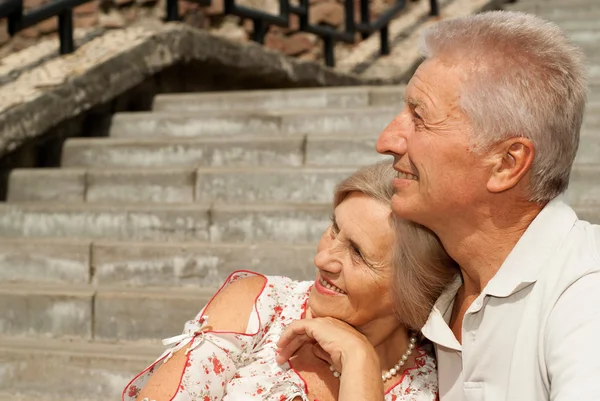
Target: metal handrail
[{"x": 19, "y": 20}]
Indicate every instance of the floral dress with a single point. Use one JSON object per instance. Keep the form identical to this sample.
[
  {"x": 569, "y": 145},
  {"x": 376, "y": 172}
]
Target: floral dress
[{"x": 229, "y": 366}]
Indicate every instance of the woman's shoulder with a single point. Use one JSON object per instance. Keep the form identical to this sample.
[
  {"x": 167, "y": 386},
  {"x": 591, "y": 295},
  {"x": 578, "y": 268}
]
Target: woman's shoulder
[
  {"x": 244, "y": 285},
  {"x": 253, "y": 293}
]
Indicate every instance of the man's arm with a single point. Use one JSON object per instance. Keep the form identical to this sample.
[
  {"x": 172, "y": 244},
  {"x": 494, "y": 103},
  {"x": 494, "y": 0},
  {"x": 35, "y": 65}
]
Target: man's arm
[{"x": 573, "y": 342}]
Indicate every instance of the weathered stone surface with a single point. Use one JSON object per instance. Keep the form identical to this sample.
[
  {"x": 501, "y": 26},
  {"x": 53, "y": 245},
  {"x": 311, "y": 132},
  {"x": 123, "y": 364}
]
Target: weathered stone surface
[
  {"x": 144, "y": 186},
  {"x": 278, "y": 223},
  {"x": 44, "y": 261},
  {"x": 195, "y": 265},
  {"x": 268, "y": 185},
  {"x": 48, "y": 26},
  {"x": 47, "y": 185},
  {"x": 98, "y": 221},
  {"x": 36, "y": 311},
  {"x": 181, "y": 152},
  {"x": 342, "y": 150},
  {"x": 589, "y": 213},
  {"x": 313, "y": 98},
  {"x": 109, "y": 65},
  {"x": 349, "y": 121},
  {"x": 87, "y": 8},
  {"x": 292, "y": 45},
  {"x": 589, "y": 147},
  {"x": 327, "y": 13},
  {"x": 276, "y": 122},
  {"x": 112, "y": 20},
  {"x": 86, "y": 21},
  {"x": 29, "y": 4},
  {"x": 136, "y": 315},
  {"x": 584, "y": 186},
  {"x": 69, "y": 370}
]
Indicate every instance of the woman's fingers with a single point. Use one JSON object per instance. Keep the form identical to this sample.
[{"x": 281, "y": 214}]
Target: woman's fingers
[
  {"x": 290, "y": 347},
  {"x": 320, "y": 353}
]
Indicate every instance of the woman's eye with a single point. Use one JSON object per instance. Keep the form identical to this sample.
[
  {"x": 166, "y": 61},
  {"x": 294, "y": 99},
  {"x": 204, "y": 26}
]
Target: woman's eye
[
  {"x": 332, "y": 232},
  {"x": 356, "y": 252}
]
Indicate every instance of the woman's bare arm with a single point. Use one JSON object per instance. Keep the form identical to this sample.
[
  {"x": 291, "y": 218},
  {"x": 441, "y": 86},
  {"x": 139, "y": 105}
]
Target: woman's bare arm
[{"x": 229, "y": 310}]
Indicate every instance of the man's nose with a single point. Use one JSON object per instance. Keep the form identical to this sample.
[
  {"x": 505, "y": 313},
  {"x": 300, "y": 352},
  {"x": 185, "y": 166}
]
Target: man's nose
[{"x": 392, "y": 140}]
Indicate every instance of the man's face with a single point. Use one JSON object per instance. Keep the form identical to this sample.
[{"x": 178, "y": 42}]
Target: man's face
[{"x": 439, "y": 174}]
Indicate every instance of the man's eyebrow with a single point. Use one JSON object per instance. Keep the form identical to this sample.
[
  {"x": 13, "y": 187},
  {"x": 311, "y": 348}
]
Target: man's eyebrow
[{"x": 416, "y": 103}]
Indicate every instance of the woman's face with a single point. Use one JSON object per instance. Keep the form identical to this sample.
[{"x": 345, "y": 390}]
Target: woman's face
[{"x": 353, "y": 261}]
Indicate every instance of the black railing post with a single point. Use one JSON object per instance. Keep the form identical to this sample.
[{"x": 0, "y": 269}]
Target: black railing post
[
  {"x": 384, "y": 40},
  {"x": 172, "y": 10},
  {"x": 328, "y": 51},
  {"x": 259, "y": 31},
  {"x": 15, "y": 20},
  {"x": 65, "y": 31},
  {"x": 364, "y": 16},
  {"x": 435, "y": 10}
]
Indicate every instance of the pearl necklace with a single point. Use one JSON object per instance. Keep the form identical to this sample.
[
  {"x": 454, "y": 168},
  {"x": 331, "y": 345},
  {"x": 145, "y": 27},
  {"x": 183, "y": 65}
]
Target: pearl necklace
[{"x": 393, "y": 371}]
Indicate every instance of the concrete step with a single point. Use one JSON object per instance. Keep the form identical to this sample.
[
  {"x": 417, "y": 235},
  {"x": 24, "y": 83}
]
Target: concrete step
[
  {"x": 313, "y": 150},
  {"x": 284, "y": 223},
  {"x": 589, "y": 213},
  {"x": 98, "y": 221},
  {"x": 349, "y": 122},
  {"x": 305, "y": 98},
  {"x": 553, "y": 6},
  {"x": 42, "y": 369},
  {"x": 584, "y": 185},
  {"x": 146, "y": 265},
  {"x": 589, "y": 148},
  {"x": 305, "y": 185},
  {"x": 45, "y": 261},
  {"x": 85, "y": 312},
  {"x": 183, "y": 152},
  {"x": 221, "y": 185},
  {"x": 579, "y": 25},
  {"x": 359, "y": 121},
  {"x": 562, "y": 12}
]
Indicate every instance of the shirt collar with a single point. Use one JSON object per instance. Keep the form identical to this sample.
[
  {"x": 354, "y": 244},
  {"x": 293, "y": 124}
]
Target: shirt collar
[
  {"x": 534, "y": 249},
  {"x": 437, "y": 328}
]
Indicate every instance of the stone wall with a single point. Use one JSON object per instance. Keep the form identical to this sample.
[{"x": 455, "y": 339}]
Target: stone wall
[{"x": 114, "y": 14}]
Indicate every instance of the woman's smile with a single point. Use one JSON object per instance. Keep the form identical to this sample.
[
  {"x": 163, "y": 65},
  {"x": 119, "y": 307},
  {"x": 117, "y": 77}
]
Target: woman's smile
[{"x": 327, "y": 288}]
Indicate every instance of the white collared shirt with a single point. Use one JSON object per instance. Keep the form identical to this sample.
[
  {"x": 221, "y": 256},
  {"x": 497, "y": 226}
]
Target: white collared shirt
[{"x": 533, "y": 334}]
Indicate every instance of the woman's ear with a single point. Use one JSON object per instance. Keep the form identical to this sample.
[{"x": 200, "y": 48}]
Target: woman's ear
[{"x": 513, "y": 159}]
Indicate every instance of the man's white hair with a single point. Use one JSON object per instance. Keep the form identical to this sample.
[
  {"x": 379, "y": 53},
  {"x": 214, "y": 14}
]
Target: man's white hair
[{"x": 527, "y": 80}]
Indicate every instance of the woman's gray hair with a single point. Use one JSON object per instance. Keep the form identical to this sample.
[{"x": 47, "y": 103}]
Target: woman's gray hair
[
  {"x": 527, "y": 79},
  {"x": 422, "y": 268}
]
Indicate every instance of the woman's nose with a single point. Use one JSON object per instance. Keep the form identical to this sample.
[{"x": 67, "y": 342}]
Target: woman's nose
[
  {"x": 392, "y": 140},
  {"x": 328, "y": 260}
]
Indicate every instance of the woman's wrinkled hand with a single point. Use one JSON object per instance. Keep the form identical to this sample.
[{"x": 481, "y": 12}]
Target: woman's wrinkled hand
[{"x": 334, "y": 341}]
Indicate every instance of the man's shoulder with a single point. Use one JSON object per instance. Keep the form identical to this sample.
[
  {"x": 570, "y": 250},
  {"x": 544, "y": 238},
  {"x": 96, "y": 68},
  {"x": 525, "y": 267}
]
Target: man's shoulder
[
  {"x": 578, "y": 255},
  {"x": 585, "y": 243}
]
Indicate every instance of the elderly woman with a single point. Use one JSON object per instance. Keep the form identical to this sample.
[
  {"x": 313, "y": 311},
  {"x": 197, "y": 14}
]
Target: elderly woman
[{"x": 251, "y": 341}]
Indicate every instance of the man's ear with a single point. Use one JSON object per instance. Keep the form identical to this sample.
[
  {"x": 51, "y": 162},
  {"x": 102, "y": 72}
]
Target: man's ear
[{"x": 512, "y": 161}]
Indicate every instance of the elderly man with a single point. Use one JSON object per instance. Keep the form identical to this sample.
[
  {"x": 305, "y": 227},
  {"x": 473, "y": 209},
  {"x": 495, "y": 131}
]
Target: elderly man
[{"x": 483, "y": 149}]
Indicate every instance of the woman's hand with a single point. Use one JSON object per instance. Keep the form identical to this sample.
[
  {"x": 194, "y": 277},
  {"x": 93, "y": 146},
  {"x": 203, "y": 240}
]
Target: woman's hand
[
  {"x": 343, "y": 347},
  {"x": 334, "y": 341}
]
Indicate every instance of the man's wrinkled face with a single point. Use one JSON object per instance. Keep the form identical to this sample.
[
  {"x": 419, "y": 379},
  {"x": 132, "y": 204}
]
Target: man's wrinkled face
[{"x": 438, "y": 171}]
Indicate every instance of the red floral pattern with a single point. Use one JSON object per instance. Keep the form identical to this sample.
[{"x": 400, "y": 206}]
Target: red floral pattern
[{"x": 241, "y": 366}]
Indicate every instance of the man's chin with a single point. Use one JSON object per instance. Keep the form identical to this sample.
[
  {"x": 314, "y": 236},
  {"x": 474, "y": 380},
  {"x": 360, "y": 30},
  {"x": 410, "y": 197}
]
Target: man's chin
[{"x": 401, "y": 206}]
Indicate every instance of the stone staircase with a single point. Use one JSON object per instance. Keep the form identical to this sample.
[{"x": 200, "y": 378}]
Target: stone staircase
[{"x": 113, "y": 251}]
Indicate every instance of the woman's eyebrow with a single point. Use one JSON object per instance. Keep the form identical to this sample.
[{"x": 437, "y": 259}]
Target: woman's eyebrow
[{"x": 334, "y": 223}]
